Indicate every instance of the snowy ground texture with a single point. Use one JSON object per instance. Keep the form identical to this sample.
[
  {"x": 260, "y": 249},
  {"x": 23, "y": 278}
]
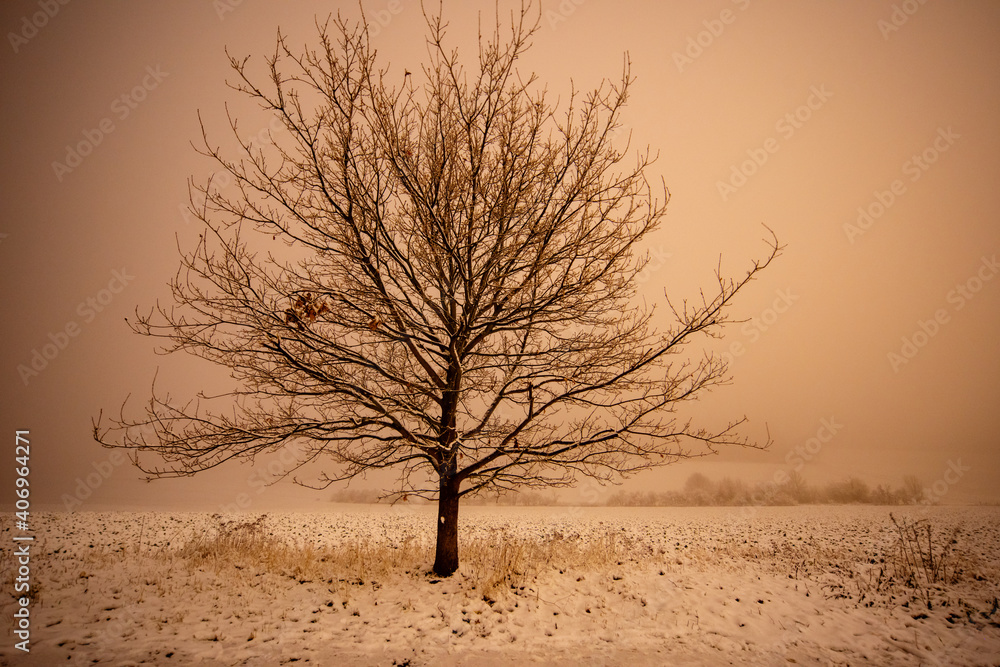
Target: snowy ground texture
[{"x": 547, "y": 586}]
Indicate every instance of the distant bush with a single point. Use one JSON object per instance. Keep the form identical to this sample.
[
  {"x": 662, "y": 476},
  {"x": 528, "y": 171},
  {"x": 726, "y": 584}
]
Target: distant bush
[
  {"x": 355, "y": 496},
  {"x": 732, "y": 492},
  {"x": 852, "y": 491}
]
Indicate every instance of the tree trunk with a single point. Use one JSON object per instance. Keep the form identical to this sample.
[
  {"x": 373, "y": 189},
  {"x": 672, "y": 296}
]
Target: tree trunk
[{"x": 446, "y": 558}]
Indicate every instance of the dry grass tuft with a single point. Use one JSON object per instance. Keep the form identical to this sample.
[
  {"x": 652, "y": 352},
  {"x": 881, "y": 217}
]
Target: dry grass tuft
[
  {"x": 504, "y": 562},
  {"x": 251, "y": 545},
  {"x": 919, "y": 567},
  {"x": 920, "y": 561},
  {"x": 492, "y": 565}
]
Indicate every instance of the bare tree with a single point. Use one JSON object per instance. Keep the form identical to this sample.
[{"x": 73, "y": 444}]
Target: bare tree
[{"x": 460, "y": 307}]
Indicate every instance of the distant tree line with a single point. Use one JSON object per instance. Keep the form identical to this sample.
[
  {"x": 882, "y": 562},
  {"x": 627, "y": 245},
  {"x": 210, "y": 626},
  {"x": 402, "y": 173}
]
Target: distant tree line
[{"x": 699, "y": 490}]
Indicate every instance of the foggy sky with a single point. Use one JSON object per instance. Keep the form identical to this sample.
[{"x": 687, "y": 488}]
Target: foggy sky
[{"x": 864, "y": 134}]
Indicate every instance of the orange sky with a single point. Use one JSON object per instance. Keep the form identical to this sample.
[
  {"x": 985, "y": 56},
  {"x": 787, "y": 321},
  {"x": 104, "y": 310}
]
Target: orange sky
[{"x": 864, "y": 133}]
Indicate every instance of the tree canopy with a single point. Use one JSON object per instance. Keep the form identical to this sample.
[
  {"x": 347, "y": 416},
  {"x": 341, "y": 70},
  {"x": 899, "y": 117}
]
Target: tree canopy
[{"x": 460, "y": 306}]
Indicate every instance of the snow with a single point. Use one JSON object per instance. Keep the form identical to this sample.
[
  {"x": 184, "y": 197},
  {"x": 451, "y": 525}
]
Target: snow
[{"x": 689, "y": 586}]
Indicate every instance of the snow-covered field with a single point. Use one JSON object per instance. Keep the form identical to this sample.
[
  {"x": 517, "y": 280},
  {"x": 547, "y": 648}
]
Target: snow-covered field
[{"x": 561, "y": 586}]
